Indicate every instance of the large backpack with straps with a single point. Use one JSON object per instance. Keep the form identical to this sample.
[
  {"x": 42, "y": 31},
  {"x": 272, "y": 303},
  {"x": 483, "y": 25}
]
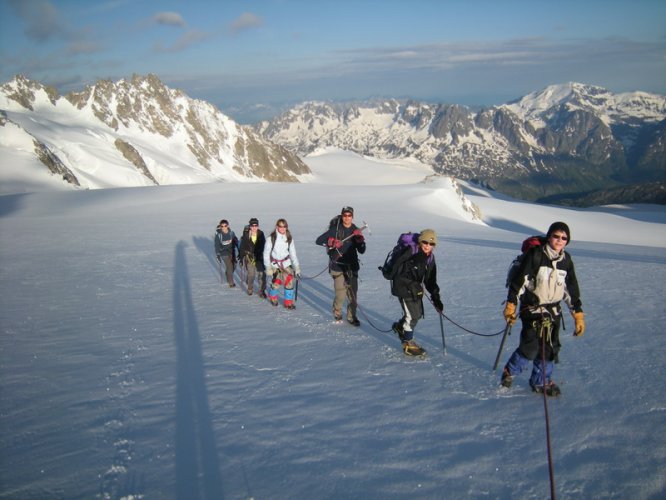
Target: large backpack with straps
[
  {"x": 405, "y": 240},
  {"x": 531, "y": 242}
]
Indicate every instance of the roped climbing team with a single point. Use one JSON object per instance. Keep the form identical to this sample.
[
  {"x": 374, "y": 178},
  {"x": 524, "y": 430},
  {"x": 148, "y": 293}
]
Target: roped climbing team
[{"x": 546, "y": 277}]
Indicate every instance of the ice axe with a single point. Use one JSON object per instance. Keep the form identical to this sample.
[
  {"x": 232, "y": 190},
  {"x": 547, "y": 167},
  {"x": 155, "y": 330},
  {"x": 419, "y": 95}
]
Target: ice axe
[{"x": 362, "y": 228}]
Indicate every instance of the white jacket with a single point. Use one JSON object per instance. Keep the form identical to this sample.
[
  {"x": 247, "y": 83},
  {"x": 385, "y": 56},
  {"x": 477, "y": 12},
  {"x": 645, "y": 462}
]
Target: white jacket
[{"x": 280, "y": 255}]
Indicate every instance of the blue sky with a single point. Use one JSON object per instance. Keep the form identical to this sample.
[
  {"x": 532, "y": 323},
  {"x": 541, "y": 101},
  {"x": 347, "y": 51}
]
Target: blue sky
[{"x": 230, "y": 52}]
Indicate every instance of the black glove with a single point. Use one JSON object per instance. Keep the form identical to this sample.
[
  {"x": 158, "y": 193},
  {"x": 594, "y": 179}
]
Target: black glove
[{"x": 437, "y": 302}]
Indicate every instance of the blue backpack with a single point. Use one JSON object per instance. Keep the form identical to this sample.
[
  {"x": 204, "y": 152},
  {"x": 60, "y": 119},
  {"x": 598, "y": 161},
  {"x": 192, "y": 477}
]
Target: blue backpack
[{"x": 405, "y": 240}]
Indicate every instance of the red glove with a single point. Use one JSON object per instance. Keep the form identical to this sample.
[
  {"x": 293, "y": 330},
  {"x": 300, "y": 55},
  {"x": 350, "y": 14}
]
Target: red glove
[
  {"x": 333, "y": 243},
  {"x": 358, "y": 235}
]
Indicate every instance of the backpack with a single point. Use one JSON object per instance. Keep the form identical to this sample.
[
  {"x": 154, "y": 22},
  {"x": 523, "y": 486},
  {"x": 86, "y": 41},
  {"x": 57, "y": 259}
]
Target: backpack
[
  {"x": 335, "y": 222},
  {"x": 531, "y": 242},
  {"x": 405, "y": 240}
]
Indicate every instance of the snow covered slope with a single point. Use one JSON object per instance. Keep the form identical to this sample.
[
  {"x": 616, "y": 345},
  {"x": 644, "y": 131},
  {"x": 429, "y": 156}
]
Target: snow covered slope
[
  {"x": 127, "y": 133},
  {"x": 568, "y": 138},
  {"x": 129, "y": 371}
]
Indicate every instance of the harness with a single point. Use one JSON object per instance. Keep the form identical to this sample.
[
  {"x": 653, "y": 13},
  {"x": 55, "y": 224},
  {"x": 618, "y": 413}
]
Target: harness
[{"x": 279, "y": 262}]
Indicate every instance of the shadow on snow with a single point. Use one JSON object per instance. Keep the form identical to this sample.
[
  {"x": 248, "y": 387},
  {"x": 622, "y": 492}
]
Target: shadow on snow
[{"x": 197, "y": 463}]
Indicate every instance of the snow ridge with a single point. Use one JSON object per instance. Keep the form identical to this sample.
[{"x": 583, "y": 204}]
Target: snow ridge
[
  {"x": 566, "y": 138},
  {"x": 134, "y": 132}
]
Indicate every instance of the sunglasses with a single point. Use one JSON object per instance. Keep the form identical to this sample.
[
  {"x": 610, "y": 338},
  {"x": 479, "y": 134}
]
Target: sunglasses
[
  {"x": 347, "y": 215},
  {"x": 254, "y": 225},
  {"x": 428, "y": 243},
  {"x": 223, "y": 225},
  {"x": 559, "y": 237},
  {"x": 281, "y": 227}
]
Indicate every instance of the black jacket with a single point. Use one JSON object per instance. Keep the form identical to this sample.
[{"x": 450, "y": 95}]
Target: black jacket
[
  {"x": 253, "y": 251},
  {"x": 344, "y": 258},
  {"x": 411, "y": 272}
]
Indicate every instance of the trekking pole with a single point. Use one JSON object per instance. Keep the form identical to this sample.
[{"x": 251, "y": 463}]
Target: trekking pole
[
  {"x": 441, "y": 327},
  {"x": 296, "y": 290},
  {"x": 441, "y": 320},
  {"x": 507, "y": 331}
]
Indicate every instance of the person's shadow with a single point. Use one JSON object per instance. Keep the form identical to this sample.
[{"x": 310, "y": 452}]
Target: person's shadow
[{"x": 197, "y": 463}]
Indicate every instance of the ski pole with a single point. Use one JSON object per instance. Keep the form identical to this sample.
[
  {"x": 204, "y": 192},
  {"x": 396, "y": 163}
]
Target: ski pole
[
  {"x": 507, "y": 331},
  {"x": 296, "y": 290}
]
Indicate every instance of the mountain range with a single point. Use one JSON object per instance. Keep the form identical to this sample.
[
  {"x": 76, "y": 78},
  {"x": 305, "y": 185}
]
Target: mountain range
[
  {"x": 133, "y": 132},
  {"x": 569, "y": 144},
  {"x": 564, "y": 141}
]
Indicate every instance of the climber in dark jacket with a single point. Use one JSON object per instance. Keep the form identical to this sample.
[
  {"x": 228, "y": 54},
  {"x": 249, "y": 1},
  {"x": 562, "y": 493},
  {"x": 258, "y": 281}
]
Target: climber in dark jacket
[
  {"x": 344, "y": 241},
  {"x": 546, "y": 277},
  {"x": 412, "y": 273},
  {"x": 226, "y": 245},
  {"x": 251, "y": 256}
]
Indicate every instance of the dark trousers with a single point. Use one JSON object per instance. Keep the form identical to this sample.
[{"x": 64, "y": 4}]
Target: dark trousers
[
  {"x": 255, "y": 269},
  {"x": 412, "y": 312}
]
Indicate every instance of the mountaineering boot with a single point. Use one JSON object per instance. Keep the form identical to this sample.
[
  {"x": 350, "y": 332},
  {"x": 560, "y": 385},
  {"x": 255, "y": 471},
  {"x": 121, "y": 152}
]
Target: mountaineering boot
[
  {"x": 552, "y": 389},
  {"x": 274, "y": 302},
  {"x": 507, "y": 379},
  {"x": 354, "y": 321},
  {"x": 232, "y": 285},
  {"x": 290, "y": 306},
  {"x": 397, "y": 328},
  {"x": 249, "y": 291},
  {"x": 262, "y": 295},
  {"x": 337, "y": 316},
  {"x": 411, "y": 348}
]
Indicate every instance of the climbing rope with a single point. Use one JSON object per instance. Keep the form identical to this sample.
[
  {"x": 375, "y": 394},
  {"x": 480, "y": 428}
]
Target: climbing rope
[
  {"x": 546, "y": 330},
  {"x": 462, "y": 327},
  {"x": 316, "y": 275}
]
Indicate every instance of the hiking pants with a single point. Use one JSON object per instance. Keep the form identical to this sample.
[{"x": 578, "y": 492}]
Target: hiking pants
[
  {"x": 255, "y": 270},
  {"x": 228, "y": 267},
  {"x": 283, "y": 276},
  {"x": 412, "y": 311},
  {"x": 345, "y": 285},
  {"x": 529, "y": 348}
]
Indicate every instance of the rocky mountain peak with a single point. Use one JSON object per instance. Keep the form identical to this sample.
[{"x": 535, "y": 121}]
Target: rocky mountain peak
[
  {"x": 607, "y": 106},
  {"x": 144, "y": 125},
  {"x": 24, "y": 91},
  {"x": 565, "y": 138}
]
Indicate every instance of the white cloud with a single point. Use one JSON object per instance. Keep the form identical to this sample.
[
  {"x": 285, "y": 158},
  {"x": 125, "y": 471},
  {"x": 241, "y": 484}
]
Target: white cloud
[
  {"x": 246, "y": 21},
  {"x": 186, "y": 40},
  {"x": 169, "y": 19}
]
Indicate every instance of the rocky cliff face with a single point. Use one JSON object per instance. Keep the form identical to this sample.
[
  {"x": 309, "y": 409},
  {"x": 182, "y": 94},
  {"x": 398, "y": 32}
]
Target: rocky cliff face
[
  {"x": 564, "y": 139},
  {"x": 159, "y": 133}
]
